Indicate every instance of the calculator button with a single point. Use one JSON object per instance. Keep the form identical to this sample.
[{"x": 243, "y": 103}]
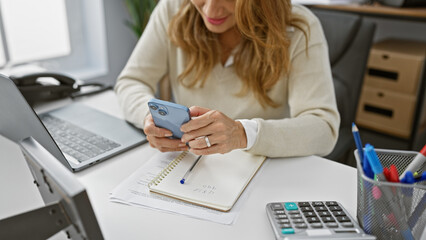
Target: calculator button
[
  {"x": 332, "y": 225},
  {"x": 287, "y": 231},
  {"x": 301, "y": 225},
  {"x": 287, "y": 225},
  {"x": 328, "y": 219},
  {"x": 281, "y": 216},
  {"x": 321, "y": 208},
  {"x": 304, "y": 204},
  {"x": 277, "y": 206},
  {"x": 293, "y": 212},
  {"x": 324, "y": 214},
  {"x": 317, "y": 204},
  {"x": 298, "y": 221},
  {"x": 331, "y": 203},
  {"x": 316, "y": 225},
  {"x": 347, "y": 224},
  {"x": 338, "y": 213},
  {"x": 335, "y": 208},
  {"x": 312, "y": 219},
  {"x": 295, "y": 216},
  {"x": 283, "y": 221},
  {"x": 309, "y": 214},
  {"x": 343, "y": 219},
  {"x": 279, "y": 212},
  {"x": 306, "y": 209},
  {"x": 290, "y": 206}
]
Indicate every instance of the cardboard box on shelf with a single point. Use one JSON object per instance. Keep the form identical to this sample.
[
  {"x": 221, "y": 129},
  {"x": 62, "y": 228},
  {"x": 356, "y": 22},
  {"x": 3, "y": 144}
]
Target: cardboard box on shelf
[
  {"x": 396, "y": 65},
  {"x": 386, "y": 111}
]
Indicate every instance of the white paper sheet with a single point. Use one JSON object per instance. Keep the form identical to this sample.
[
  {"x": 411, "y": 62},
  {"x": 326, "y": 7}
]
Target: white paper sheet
[{"x": 134, "y": 191}]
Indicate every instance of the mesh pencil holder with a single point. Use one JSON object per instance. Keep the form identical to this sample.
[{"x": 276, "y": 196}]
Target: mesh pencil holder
[{"x": 400, "y": 213}]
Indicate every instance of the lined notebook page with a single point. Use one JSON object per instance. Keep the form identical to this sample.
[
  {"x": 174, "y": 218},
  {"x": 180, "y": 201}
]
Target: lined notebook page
[{"x": 215, "y": 182}]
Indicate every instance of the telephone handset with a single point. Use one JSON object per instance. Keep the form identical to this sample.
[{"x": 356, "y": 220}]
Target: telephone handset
[
  {"x": 31, "y": 79},
  {"x": 45, "y": 86}
]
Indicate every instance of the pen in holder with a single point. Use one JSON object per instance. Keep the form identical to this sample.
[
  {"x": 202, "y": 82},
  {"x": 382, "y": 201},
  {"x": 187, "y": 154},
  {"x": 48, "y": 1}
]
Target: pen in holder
[{"x": 391, "y": 210}]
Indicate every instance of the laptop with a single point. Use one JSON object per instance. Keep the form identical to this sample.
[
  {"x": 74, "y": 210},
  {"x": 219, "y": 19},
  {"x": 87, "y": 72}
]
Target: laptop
[{"x": 77, "y": 135}]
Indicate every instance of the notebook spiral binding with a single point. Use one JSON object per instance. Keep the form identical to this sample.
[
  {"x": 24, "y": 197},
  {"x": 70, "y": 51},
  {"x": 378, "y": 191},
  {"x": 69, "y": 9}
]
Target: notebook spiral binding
[{"x": 167, "y": 170}]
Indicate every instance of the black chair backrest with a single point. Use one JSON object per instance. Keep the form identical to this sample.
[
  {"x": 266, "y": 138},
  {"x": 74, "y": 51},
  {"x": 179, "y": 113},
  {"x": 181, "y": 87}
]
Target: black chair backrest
[{"x": 349, "y": 37}]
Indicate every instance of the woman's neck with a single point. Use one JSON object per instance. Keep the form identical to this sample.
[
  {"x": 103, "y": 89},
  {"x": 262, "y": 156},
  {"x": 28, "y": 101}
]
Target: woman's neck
[{"x": 228, "y": 41}]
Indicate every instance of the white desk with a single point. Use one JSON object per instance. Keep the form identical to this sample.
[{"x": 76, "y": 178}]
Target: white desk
[{"x": 292, "y": 179}]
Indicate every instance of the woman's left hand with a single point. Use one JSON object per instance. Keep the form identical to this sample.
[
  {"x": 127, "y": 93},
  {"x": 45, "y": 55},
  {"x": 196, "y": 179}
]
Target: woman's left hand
[{"x": 223, "y": 133}]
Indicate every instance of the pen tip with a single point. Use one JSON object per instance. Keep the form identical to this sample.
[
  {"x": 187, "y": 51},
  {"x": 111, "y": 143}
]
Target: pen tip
[
  {"x": 182, "y": 181},
  {"x": 354, "y": 127}
]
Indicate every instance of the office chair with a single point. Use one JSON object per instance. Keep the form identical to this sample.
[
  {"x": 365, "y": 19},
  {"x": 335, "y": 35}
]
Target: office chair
[{"x": 349, "y": 37}]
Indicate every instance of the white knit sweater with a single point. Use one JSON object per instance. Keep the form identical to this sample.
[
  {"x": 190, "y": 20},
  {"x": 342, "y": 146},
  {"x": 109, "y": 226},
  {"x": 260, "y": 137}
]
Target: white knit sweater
[{"x": 307, "y": 121}]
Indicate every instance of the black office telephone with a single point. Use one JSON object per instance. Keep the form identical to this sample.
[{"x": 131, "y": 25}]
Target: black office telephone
[{"x": 45, "y": 86}]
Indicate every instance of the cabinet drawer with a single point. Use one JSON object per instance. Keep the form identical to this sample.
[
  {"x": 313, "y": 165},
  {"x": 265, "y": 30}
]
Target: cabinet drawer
[{"x": 386, "y": 111}]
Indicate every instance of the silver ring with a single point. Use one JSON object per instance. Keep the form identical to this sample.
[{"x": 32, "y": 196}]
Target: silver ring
[{"x": 207, "y": 141}]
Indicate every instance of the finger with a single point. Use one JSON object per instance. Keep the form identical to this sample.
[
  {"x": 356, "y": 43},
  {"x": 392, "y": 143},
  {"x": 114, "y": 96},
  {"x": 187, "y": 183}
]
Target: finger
[
  {"x": 204, "y": 151},
  {"x": 166, "y": 145},
  {"x": 159, "y": 142},
  {"x": 151, "y": 129},
  {"x": 201, "y": 142},
  {"x": 169, "y": 143},
  {"x": 164, "y": 149},
  {"x": 201, "y": 121},
  {"x": 196, "y": 111},
  {"x": 190, "y": 136}
]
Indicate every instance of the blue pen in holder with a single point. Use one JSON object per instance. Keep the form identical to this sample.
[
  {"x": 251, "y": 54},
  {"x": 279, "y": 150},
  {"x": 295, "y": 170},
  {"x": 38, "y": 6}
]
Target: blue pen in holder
[{"x": 391, "y": 217}]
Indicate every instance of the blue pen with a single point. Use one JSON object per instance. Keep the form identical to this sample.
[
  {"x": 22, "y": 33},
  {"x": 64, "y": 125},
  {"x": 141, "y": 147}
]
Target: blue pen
[
  {"x": 408, "y": 190},
  {"x": 364, "y": 163},
  {"x": 358, "y": 142},
  {"x": 182, "y": 181},
  {"x": 377, "y": 168},
  {"x": 367, "y": 168}
]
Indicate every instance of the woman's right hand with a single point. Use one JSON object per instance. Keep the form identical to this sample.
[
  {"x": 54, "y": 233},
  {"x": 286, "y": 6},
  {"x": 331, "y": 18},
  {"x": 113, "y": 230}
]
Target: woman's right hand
[{"x": 160, "y": 137}]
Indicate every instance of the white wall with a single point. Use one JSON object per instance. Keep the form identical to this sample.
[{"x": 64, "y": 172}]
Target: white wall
[{"x": 120, "y": 40}]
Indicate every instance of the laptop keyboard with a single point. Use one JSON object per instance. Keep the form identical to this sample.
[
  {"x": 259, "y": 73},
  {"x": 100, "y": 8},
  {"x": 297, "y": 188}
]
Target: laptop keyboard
[{"x": 75, "y": 141}]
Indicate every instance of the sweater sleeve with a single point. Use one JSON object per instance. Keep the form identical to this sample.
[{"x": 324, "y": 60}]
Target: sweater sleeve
[
  {"x": 137, "y": 83},
  {"x": 312, "y": 128}
]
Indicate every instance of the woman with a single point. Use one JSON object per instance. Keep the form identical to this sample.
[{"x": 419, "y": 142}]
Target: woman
[{"x": 262, "y": 62}]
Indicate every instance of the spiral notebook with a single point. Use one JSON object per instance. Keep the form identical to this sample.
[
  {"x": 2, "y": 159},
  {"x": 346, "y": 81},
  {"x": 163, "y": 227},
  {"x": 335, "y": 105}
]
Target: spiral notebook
[{"x": 216, "y": 181}]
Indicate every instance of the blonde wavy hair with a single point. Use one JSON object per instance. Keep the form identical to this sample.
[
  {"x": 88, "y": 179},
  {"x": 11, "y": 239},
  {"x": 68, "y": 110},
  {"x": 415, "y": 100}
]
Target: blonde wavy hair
[{"x": 263, "y": 54}]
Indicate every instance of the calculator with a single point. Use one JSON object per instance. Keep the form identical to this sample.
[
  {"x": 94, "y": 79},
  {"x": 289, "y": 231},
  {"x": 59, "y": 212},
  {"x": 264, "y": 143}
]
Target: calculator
[{"x": 313, "y": 220}]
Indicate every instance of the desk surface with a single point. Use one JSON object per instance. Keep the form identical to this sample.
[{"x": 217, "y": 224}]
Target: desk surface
[{"x": 292, "y": 179}]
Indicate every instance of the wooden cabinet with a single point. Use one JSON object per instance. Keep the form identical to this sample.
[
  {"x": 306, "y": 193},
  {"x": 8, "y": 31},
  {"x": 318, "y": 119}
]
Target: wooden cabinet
[{"x": 388, "y": 19}]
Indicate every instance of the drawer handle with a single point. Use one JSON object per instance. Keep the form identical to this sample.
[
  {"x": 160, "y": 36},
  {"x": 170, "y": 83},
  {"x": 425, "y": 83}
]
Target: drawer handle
[
  {"x": 378, "y": 110},
  {"x": 380, "y": 94},
  {"x": 385, "y": 56},
  {"x": 383, "y": 74}
]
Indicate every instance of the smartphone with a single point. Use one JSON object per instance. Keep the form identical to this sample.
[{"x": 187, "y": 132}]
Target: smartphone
[{"x": 169, "y": 115}]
